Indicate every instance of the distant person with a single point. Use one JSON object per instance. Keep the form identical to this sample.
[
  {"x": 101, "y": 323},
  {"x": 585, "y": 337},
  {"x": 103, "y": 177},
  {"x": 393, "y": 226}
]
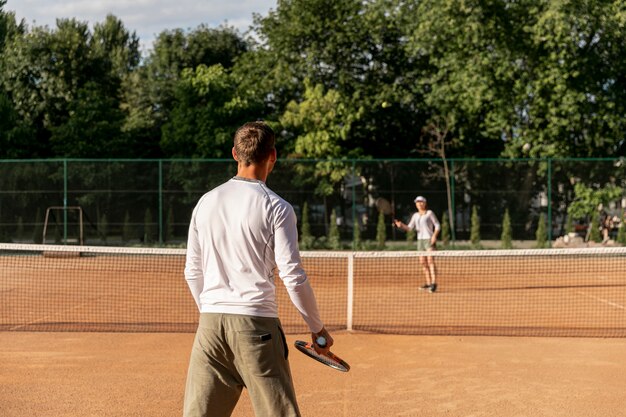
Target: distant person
[
  {"x": 239, "y": 233},
  {"x": 427, "y": 226}
]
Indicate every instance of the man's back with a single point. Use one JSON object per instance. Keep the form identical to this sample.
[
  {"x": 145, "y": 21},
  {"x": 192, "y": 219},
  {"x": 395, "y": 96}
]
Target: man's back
[{"x": 232, "y": 256}]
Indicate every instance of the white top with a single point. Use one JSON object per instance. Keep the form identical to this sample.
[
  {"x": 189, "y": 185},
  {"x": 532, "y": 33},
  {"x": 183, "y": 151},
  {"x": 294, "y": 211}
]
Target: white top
[
  {"x": 239, "y": 233},
  {"x": 424, "y": 225}
]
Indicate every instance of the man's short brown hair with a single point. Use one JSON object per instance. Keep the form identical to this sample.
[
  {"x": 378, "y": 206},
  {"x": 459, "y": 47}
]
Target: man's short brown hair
[{"x": 254, "y": 142}]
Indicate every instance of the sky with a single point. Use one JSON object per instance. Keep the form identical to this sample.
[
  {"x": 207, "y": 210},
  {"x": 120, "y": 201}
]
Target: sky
[{"x": 146, "y": 17}]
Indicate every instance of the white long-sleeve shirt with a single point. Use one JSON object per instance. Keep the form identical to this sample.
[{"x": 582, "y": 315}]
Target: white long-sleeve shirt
[
  {"x": 425, "y": 225},
  {"x": 239, "y": 233}
]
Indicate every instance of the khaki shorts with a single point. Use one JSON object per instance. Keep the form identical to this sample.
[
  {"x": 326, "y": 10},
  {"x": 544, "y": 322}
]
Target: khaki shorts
[
  {"x": 424, "y": 245},
  {"x": 231, "y": 352}
]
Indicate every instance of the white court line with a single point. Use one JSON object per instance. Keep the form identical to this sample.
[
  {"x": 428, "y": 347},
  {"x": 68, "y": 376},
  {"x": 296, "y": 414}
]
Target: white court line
[
  {"x": 611, "y": 303},
  {"x": 49, "y": 316}
]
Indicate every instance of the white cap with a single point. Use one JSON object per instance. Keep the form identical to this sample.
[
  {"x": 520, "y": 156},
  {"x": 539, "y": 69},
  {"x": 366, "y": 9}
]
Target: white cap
[{"x": 419, "y": 198}]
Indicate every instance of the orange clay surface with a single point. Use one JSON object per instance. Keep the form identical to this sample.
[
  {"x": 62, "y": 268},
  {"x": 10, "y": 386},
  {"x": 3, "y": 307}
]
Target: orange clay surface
[{"x": 137, "y": 374}]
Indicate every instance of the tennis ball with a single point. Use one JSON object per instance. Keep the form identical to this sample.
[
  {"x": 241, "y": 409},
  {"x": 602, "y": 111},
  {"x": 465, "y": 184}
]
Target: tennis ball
[
  {"x": 526, "y": 147},
  {"x": 321, "y": 341},
  {"x": 385, "y": 104}
]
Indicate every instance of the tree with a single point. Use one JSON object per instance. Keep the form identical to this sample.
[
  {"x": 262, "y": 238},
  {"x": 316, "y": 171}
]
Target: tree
[
  {"x": 127, "y": 228},
  {"x": 594, "y": 230},
  {"x": 306, "y": 238},
  {"x": 438, "y": 130},
  {"x": 542, "y": 232},
  {"x": 475, "y": 228},
  {"x": 9, "y": 27},
  {"x": 411, "y": 236},
  {"x": 148, "y": 227},
  {"x": 362, "y": 59},
  {"x": 92, "y": 128},
  {"x": 445, "y": 229},
  {"x": 103, "y": 227},
  {"x": 506, "y": 237},
  {"x": 381, "y": 231},
  {"x": 621, "y": 233},
  {"x": 66, "y": 83},
  {"x": 356, "y": 236},
  {"x": 156, "y": 89},
  {"x": 16, "y": 135},
  {"x": 334, "y": 239},
  {"x": 569, "y": 224},
  {"x": 204, "y": 114},
  {"x": 322, "y": 122},
  {"x": 587, "y": 200}
]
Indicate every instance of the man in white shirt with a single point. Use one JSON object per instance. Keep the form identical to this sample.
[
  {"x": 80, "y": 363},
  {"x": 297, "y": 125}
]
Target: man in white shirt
[{"x": 239, "y": 233}]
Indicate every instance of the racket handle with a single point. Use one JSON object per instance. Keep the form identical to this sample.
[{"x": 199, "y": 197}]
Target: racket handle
[{"x": 321, "y": 341}]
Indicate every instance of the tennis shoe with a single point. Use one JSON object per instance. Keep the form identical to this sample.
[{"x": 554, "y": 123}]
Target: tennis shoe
[
  {"x": 425, "y": 287},
  {"x": 432, "y": 288}
]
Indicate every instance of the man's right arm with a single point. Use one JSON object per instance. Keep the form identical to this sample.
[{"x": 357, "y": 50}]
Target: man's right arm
[{"x": 290, "y": 269}]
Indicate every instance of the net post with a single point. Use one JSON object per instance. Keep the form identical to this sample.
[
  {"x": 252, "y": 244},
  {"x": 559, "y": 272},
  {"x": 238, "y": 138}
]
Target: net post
[{"x": 350, "y": 301}]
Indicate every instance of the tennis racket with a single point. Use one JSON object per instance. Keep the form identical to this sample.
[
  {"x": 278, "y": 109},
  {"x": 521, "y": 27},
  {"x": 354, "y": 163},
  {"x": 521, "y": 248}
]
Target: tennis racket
[
  {"x": 329, "y": 359},
  {"x": 383, "y": 205}
]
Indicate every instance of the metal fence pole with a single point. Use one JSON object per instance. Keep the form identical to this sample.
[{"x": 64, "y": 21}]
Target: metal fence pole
[{"x": 160, "y": 201}]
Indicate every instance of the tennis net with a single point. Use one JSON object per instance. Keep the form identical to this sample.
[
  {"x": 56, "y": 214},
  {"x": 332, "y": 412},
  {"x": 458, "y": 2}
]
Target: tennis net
[{"x": 547, "y": 292}]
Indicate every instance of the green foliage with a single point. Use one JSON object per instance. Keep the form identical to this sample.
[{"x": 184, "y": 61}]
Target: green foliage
[
  {"x": 334, "y": 239},
  {"x": 127, "y": 229},
  {"x": 445, "y": 229},
  {"x": 38, "y": 227},
  {"x": 541, "y": 234},
  {"x": 594, "y": 229},
  {"x": 507, "y": 235},
  {"x": 148, "y": 227},
  {"x": 530, "y": 78},
  {"x": 569, "y": 224},
  {"x": 475, "y": 229},
  {"x": 381, "y": 231},
  {"x": 16, "y": 134},
  {"x": 621, "y": 232},
  {"x": 19, "y": 230},
  {"x": 205, "y": 113},
  {"x": 98, "y": 119},
  {"x": 169, "y": 225},
  {"x": 306, "y": 238},
  {"x": 357, "y": 244},
  {"x": 587, "y": 200},
  {"x": 411, "y": 235},
  {"x": 322, "y": 122},
  {"x": 103, "y": 227}
]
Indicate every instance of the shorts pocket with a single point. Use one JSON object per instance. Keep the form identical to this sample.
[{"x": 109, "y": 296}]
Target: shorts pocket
[{"x": 260, "y": 352}]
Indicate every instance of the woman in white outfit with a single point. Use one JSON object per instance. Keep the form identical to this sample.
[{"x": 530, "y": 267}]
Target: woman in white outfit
[{"x": 427, "y": 226}]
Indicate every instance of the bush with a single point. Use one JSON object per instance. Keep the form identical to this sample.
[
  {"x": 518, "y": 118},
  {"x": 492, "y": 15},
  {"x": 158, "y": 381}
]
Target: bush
[
  {"x": 594, "y": 230},
  {"x": 306, "y": 239},
  {"x": 169, "y": 225},
  {"x": 621, "y": 232},
  {"x": 542, "y": 232},
  {"x": 127, "y": 228},
  {"x": 445, "y": 229},
  {"x": 103, "y": 228},
  {"x": 148, "y": 227},
  {"x": 356, "y": 236},
  {"x": 381, "y": 231},
  {"x": 334, "y": 239},
  {"x": 506, "y": 237},
  {"x": 475, "y": 229}
]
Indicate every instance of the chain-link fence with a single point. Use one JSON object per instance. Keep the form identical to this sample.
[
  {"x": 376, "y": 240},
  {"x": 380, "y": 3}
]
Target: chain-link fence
[{"x": 149, "y": 202}]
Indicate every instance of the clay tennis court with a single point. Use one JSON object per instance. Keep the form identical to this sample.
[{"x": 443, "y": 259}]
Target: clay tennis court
[
  {"x": 442, "y": 360},
  {"x": 130, "y": 374}
]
